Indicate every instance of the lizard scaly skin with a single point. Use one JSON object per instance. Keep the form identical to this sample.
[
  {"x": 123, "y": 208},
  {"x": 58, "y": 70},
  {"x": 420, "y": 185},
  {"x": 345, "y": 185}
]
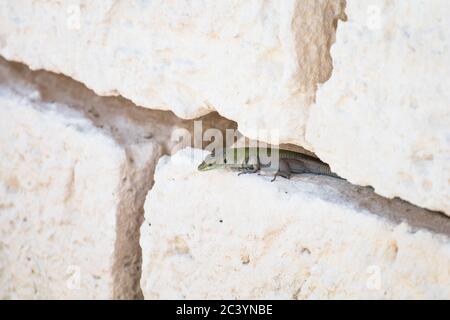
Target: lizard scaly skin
[{"x": 277, "y": 161}]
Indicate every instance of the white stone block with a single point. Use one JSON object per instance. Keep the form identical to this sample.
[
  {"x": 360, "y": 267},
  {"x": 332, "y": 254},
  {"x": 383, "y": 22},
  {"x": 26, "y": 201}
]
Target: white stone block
[
  {"x": 73, "y": 179},
  {"x": 383, "y": 119},
  {"x": 214, "y": 235},
  {"x": 256, "y": 62}
]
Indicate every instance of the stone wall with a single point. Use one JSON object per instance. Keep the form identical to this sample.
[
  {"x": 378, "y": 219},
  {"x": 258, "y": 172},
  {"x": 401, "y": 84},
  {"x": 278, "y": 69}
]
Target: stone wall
[
  {"x": 75, "y": 169},
  {"x": 308, "y": 238},
  {"x": 359, "y": 84}
]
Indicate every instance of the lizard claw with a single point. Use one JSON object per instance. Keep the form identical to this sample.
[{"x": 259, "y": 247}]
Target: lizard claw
[
  {"x": 248, "y": 171},
  {"x": 282, "y": 174}
]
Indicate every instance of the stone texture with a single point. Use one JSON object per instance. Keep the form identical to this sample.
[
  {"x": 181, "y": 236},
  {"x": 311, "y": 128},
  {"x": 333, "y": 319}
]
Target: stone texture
[
  {"x": 383, "y": 119},
  {"x": 256, "y": 62},
  {"x": 61, "y": 194},
  {"x": 215, "y": 235},
  {"x": 74, "y": 172}
]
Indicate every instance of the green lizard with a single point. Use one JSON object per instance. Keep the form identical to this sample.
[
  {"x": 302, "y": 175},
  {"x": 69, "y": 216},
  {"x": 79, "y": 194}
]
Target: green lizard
[{"x": 279, "y": 162}]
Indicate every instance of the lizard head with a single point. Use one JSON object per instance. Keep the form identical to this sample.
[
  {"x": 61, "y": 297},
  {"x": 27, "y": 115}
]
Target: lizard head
[{"x": 212, "y": 162}]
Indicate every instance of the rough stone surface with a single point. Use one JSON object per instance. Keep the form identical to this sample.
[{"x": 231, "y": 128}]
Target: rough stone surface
[
  {"x": 256, "y": 62},
  {"x": 74, "y": 172},
  {"x": 383, "y": 119},
  {"x": 216, "y": 235},
  {"x": 60, "y": 193}
]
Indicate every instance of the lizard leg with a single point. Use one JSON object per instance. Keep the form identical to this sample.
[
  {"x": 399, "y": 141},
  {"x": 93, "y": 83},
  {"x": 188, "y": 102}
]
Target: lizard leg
[
  {"x": 283, "y": 171},
  {"x": 248, "y": 170},
  {"x": 249, "y": 165}
]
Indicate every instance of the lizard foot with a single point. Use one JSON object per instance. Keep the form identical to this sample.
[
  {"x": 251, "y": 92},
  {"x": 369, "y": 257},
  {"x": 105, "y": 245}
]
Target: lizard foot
[
  {"x": 281, "y": 174},
  {"x": 247, "y": 171}
]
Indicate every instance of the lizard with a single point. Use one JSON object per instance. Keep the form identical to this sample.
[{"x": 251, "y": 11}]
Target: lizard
[{"x": 255, "y": 159}]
